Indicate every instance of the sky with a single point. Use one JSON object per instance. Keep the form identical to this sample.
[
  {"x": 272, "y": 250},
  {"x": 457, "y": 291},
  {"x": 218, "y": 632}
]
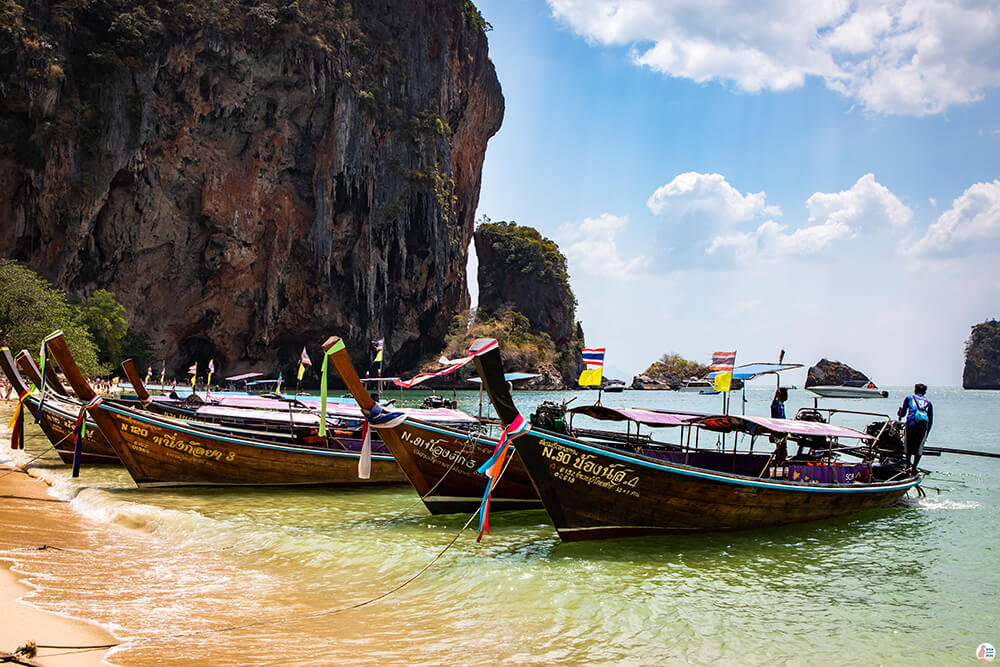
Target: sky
[{"x": 822, "y": 178}]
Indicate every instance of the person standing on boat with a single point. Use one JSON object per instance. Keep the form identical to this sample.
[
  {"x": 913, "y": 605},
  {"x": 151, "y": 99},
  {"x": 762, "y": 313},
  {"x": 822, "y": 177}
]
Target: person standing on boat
[
  {"x": 778, "y": 404},
  {"x": 919, "y": 415}
]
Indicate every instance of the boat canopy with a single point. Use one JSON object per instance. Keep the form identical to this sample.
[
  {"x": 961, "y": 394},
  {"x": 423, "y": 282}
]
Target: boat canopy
[
  {"x": 245, "y": 376},
  {"x": 755, "y": 425},
  {"x": 645, "y": 417},
  {"x": 512, "y": 377},
  {"x": 751, "y": 371}
]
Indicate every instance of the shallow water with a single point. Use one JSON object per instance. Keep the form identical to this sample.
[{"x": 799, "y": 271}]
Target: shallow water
[{"x": 174, "y": 570}]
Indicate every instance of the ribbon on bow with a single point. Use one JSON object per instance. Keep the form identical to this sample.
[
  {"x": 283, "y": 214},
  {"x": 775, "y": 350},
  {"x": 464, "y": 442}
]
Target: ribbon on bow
[
  {"x": 44, "y": 354},
  {"x": 18, "y": 419},
  {"x": 377, "y": 417},
  {"x": 494, "y": 466},
  {"x": 80, "y": 431},
  {"x": 337, "y": 347}
]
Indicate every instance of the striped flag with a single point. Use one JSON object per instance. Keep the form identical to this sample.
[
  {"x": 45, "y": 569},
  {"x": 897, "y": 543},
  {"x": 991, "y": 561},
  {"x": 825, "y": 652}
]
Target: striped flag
[
  {"x": 593, "y": 361},
  {"x": 211, "y": 369},
  {"x": 722, "y": 365},
  {"x": 193, "y": 372},
  {"x": 379, "y": 346},
  {"x": 163, "y": 373}
]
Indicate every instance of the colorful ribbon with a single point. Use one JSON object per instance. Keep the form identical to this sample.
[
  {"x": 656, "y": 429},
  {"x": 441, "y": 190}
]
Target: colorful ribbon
[
  {"x": 336, "y": 347},
  {"x": 377, "y": 417},
  {"x": 44, "y": 353},
  {"x": 494, "y": 466},
  {"x": 18, "y": 419},
  {"x": 80, "y": 431}
]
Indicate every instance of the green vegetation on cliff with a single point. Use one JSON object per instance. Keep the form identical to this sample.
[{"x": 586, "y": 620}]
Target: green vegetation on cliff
[
  {"x": 521, "y": 347},
  {"x": 31, "y": 309},
  {"x": 96, "y": 329},
  {"x": 674, "y": 364},
  {"x": 982, "y": 357}
]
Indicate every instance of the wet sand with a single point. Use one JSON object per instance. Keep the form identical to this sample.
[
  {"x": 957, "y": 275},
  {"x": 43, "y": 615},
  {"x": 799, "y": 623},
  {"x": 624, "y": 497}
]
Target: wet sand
[{"x": 30, "y": 519}]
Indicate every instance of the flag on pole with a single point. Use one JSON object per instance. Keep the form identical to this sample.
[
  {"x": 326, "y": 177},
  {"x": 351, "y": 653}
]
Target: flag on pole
[
  {"x": 211, "y": 369},
  {"x": 722, "y": 366},
  {"x": 379, "y": 345},
  {"x": 280, "y": 378},
  {"x": 149, "y": 373},
  {"x": 593, "y": 362},
  {"x": 163, "y": 374},
  {"x": 193, "y": 372},
  {"x": 304, "y": 361}
]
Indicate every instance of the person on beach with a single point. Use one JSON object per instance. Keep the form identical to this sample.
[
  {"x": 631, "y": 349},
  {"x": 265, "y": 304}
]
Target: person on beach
[
  {"x": 919, "y": 415},
  {"x": 778, "y": 404}
]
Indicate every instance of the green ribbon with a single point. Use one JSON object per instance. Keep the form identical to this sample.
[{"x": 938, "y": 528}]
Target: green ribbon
[{"x": 337, "y": 347}]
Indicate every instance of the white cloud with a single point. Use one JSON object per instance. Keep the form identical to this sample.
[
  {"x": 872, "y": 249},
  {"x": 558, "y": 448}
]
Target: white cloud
[
  {"x": 970, "y": 226},
  {"x": 709, "y": 194},
  {"x": 590, "y": 247},
  {"x": 867, "y": 206},
  {"x": 912, "y": 57}
]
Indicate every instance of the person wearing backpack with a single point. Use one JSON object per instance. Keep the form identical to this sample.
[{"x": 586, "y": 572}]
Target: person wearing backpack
[{"x": 919, "y": 415}]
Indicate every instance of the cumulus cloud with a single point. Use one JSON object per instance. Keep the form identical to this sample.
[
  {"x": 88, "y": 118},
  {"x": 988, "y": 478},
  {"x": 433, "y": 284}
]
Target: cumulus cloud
[
  {"x": 591, "y": 247},
  {"x": 912, "y": 57},
  {"x": 866, "y": 207},
  {"x": 710, "y": 194},
  {"x": 970, "y": 226}
]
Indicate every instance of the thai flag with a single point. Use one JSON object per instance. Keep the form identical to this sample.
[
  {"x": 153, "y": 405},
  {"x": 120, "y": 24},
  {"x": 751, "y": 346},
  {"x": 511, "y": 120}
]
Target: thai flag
[{"x": 593, "y": 356}]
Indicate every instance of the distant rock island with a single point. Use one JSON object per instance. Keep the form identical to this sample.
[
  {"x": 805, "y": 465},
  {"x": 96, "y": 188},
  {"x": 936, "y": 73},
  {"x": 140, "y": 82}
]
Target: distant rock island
[
  {"x": 669, "y": 372},
  {"x": 828, "y": 373},
  {"x": 982, "y": 357}
]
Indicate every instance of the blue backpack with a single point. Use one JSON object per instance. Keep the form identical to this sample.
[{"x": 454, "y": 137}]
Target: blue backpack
[{"x": 920, "y": 405}]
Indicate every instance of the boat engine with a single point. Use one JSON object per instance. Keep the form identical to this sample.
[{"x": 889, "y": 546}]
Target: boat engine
[
  {"x": 890, "y": 452},
  {"x": 437, "y": 402},
  {"x": 550, "y": 416}
]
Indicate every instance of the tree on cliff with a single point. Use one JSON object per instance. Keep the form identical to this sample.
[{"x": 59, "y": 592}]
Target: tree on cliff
[
  {"x": 982, "y": 357},
  {"x": 521, "y": 271},
  {"x": 105, "y": 318},
  {"x": 30, "y": 309}
]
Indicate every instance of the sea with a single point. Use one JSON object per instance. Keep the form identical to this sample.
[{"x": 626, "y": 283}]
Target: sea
[{"x": 291, "y": 576}]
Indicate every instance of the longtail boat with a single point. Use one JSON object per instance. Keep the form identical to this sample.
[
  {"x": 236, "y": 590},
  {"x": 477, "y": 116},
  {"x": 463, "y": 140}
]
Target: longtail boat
[
  {"x": 160, "y": 451},
  {"x": 440, "y": 462},
  {"x": 57, "y": 417},
  {"x": 593, "y": 491}
]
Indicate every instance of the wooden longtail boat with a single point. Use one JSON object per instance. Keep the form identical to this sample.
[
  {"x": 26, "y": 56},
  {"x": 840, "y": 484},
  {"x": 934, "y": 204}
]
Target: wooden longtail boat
[
  {"x": 159, "y": 451},
  {"x": 34, "y": 373},
  {"x": 58, "y": 417},
  {"x": 592, "y": 491},
  {"x": 440, "y": 462}
]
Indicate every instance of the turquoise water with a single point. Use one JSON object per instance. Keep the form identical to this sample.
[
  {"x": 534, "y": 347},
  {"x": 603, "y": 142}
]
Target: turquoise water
[{"x": 913, "y": 584}]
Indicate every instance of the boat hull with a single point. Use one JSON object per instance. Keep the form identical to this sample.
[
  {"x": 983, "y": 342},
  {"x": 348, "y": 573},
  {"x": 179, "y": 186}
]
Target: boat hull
[
  {"x": 848, "y": 392},
  {"x": 441, "y": 465},
  {"x": 159, "y": 452},
  {"x": 592, "y": 492},
  {"x": 57, "y": 422}
]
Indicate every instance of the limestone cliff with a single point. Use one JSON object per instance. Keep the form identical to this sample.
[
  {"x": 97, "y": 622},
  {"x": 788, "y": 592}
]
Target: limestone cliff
[
  {"x": 248, "y": 177},
  {"x": 982, "y": 357},
  {"x": 522, "y": 271}
]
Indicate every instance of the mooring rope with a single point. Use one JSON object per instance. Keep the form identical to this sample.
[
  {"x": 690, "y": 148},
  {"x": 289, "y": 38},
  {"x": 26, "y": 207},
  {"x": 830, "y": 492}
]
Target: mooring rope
[{"x": 421, "y": 499}]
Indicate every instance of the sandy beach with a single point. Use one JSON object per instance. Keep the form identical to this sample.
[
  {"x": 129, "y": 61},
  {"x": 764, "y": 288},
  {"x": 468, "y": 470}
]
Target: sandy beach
[{"x": 31, "y": 519}]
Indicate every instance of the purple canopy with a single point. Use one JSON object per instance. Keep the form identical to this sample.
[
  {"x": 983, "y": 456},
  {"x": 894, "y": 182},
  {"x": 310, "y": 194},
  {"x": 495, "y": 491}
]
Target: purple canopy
[
  {"x": 646, "y": 417},
  {"x": 753, "y": 425}
]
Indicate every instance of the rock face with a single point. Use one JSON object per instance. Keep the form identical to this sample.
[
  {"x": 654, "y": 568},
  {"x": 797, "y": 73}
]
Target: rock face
[
  {"x": 828, "y": 372},
  {"x": 982, "y": 357},
  {"x": 249, "y": 178},
  {"x": 523, "y": 271}
]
